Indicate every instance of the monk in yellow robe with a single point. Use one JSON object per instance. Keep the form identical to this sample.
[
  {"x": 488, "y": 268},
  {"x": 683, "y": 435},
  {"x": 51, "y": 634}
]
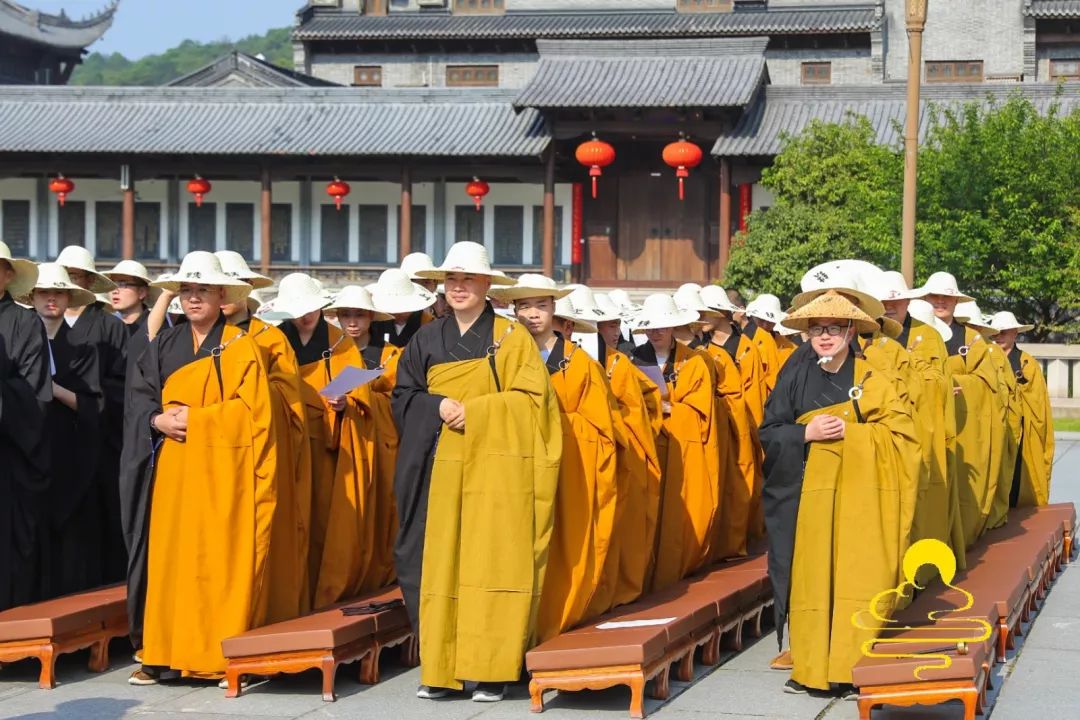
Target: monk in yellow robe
[
  {"x": 202, "y": 391},
  {"x": 478, "y": 467},
  {"x": 762, "y": 316},
  {"x": 840, "y": 454},
  {"x": 1030, "y": 486}
]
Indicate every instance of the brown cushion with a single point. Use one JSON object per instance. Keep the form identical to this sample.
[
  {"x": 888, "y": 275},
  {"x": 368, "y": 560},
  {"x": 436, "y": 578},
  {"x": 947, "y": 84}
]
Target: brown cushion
[
  {"x": 63, "y": 616},
  {"x": 588, "y": 647},
  {"x": 869, "y": 672},
  {"x": 692, "y": 609},
  {"x": 1066, "y": 512},
  {"x": 744, "y": 586}
]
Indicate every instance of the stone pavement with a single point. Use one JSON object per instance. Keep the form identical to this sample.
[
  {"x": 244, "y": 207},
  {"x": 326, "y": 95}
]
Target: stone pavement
[{"x": 1041, "y": 680}]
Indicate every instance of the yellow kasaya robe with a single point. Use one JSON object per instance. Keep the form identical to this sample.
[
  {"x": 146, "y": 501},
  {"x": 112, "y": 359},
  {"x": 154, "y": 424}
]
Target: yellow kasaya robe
[
  {"x": 999, "y": 510},
  {"x": 980, "y": 432},
  {"x": 849, "y": 538},
  {"x": 1036, "y": 458},
  {"x": 723, "y": 467},
  {"x": 742, "y": 492},
  {"x": 382, "y": 571},
  {"x": 490, "y": 510},
  {"x": 754, "y": 391},
  {"x": 937, "y": 508},
  {"x": 689, "y": 453},
  {"x": 585, "y": 503},
  {"x": 638, "y": 411},
  {"x": 287, "y": 579},
  {"x": 213, "y": 506},
  {"x": 769, "y": 354},
  {"x": 784, "y": 348}
]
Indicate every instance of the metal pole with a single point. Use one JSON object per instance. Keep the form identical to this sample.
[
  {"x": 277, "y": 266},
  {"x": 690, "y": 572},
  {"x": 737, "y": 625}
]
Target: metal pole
[{"x": 916, "y": 22}]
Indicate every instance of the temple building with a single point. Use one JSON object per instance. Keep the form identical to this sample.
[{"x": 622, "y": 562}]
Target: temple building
[
  {"x": 37, "y": 48},
  {"x": 415, "y": 104}
]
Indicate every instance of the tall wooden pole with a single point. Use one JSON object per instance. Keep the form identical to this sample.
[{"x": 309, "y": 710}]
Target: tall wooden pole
[
  {"x": 405, "y": 224},
  {"x": 725, "y": 214},
  {"x": 549, "y": 213},
  {"x": 127, "y": 216},
  {"x": 916, "y": 23},
  {"x": 266, "y": 227}
]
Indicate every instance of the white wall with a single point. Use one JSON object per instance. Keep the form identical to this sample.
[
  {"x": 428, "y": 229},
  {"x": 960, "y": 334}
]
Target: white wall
[
  {"x": 408, "y": 70},
  {"x": 851, "y": 66},
  {"x": 22, "y": 189}
]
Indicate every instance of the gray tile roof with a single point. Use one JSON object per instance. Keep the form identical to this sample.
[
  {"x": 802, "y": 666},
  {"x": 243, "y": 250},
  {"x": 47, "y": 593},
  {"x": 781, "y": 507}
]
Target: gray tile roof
[
  {"x": 569, "y": 25},
  {"x": 781, "y": 111},
  {"x": 252, "y": 71},
  {"x": 54, "y": 30},
  {"x": 646, "y": 73},
  {"x": 1051, "y": 9},
  {"x": 263, "y": 121}
]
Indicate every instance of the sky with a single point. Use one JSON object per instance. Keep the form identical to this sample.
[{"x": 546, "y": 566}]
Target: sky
[{"x": 145, "y": 27}]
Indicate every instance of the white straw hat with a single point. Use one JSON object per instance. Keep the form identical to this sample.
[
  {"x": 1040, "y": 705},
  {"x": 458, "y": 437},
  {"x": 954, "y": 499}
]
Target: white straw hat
[
  {"x": 842, "y": 276},
  {"x": 395, "y": 293},
  {"x": 234, "y": 265},
  {"x": 969, "y": 313},
  {"x": 603, "y": 301},
  {"x": 76, "y": 257},
  {"x": 354, "y": 297},
  {"x": 298, "y": 295},
  {"x": 660, "y": 311},
  {"x": 135, "y": 269},
  {"x": 1005, "y": 320},
  {"x": 202, "y": 268},
  {"x": 943, "y": 283},
  {"x": 622, "y": 300},
  {"x": 255, "y": 302},
  {"x": 688, "y": 297},
  {"x": 586, "y": 306},
  {"x": 924, "y": 313},
  {"x": 717, "y": 300},
  {"x": 891, "y": 285},
  {"x": 26, "y": 272},
  {"x": 175, "y": 308},
  {"x": 785, "y": 330},
  {"x": 55, "y": 277},
  {"x": 469, "y": 258},
  {"x": 530, "y": 285},
  {"x": 414, "y": 263},
  {"x": 766, "y": 307},
  {"x": 564, "y": 308}
]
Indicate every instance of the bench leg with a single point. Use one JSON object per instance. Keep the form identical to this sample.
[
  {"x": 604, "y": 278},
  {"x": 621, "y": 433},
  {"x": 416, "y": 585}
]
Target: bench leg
[
  {"x": 661, "y": 689},
  {"x": 232, "y": 679},
  {"x": 756, "y": 631},
  {"x": 329, "y": 670},
  {"x": 99, "y": 656},
  {"x": 866, "y": 706},
  {"x": 369, "y": 667},
  {"x": 686, "y": 666},
  {"x": 971, "y": 704},
  {"x": 410, "y": 652},
  {"x": 47, "y": 656},
  {"x": 536, "y": 697},
  {"x": 637, "y": 694},
  {"x": 735, "y": 641},
  {"x": 1003, "y": 639},
  {"x": 710, "y": 654}
]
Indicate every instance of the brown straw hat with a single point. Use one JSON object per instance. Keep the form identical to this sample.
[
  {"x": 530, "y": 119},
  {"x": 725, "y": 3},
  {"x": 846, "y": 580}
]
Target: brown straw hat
[{"x": 830, "y": 305}]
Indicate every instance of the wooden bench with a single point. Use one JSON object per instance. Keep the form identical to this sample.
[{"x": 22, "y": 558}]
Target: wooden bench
[
  {"x": 322, "y": 640},
  {"x": 703, "y": 610},
  {"x": 64, "y": 625}
]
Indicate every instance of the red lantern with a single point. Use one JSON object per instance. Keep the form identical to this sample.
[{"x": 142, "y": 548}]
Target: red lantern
[
  {"x": 62, "y": 187},
  {"x": 338, "y": 189},
  {"x": 477, "y": 189},
  {"x": 597, "y": 155},
  {"x": 682, "y": 155},
  {"x": 198, "y": 186}
]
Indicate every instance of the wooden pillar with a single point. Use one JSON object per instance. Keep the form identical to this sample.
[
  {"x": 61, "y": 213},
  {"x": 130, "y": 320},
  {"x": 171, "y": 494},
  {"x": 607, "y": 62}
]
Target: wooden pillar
[
  {"x": 549, "y": 214},
  {"x": 405, "y": 224},
  {"x": 266, "y": 228},
  {"x": 725, "y": 214},
  {"x": 127, "y": 218}
]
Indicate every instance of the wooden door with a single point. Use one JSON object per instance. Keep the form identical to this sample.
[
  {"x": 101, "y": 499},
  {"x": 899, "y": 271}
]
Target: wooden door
[{"x": 662, "y": 240}]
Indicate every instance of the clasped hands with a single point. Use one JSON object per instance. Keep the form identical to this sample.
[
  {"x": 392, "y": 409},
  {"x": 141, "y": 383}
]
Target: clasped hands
[
  {"x": 825, "y": 427},
  {"x": 173, "y": 423},
  {"x": 452, "y": 413}
]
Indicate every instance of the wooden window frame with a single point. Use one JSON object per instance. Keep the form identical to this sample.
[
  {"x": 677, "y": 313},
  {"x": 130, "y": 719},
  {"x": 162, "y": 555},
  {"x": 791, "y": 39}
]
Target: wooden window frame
[
  {"x": 479, "y": 7},
  {"x": 1074, "y": 75},
  {"x": 374, "y": 69},
  {"x": 809, "y": 77},
  {"x": 704, "y": 6},
  {"x": 934, "y": 71},
  {"x": 455, "y": 76}
]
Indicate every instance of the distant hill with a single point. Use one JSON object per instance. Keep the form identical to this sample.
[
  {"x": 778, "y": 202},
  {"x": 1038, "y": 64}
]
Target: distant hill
[{"x": 188, "y": 56}]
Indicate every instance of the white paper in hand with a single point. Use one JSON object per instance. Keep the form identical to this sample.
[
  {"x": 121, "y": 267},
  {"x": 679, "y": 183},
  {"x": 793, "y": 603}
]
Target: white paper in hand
[
  {"x": 656, "y": 374},
  {"x": 589, "y": 343},
  {"x": 348, "y": 380}
]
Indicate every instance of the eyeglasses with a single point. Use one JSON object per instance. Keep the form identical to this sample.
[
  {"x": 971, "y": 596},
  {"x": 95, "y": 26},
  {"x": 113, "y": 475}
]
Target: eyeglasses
[{"x": 832, "y": 330}]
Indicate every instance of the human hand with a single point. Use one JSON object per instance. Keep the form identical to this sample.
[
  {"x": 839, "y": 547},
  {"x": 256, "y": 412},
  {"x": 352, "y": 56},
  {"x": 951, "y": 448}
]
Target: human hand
[
  {"x": 452, "y": 413},
  {"x": 665, "y": 406},
  {"x": 337, "y": 404},
  {"x": 957, "y": 390},
  {"x": 825, "y": 427},
  {"x": 173, "y": 423}
]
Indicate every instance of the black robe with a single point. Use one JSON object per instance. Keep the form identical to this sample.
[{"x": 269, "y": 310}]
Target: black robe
[
  {"x": 25, "y": 393},
  {"x": 167, "y": 353},
  {"x": 416, "y": 414},
  {"x": 958, "y": 339},
  {"x": 75, "y": 561},
  {"x": 316, "y": 346},
  {"x": 802, "y": 386},
  {"x": 100, "y": 329},
  {"x": 387, "y": 329}
]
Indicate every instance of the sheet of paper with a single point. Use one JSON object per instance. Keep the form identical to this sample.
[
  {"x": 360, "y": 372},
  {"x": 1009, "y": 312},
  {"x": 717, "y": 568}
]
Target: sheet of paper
[
  {"x": 588, "y": 343},
  {"x": 634, "y": 623},
  {"x": 348, "y": 380},
  {"x": 656, "y": 374}
]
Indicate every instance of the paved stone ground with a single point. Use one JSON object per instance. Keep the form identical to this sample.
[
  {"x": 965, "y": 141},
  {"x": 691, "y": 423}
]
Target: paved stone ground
[{"x": 1040, "y": 680}]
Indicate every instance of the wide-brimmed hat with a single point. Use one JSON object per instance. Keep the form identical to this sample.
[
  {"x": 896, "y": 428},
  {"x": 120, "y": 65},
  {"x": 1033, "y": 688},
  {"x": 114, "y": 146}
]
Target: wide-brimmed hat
[
  {"x": 943, "y": 283},
  {"x": 603, "y": 301},
  {"x": 76, "y": 257},
  {"x": 688, "y": 297},
  {"x": 414, "y": 263},
  {"x": 234, "y": 265},
  {"x": 298, "y": 295},
  {"x": 843, "y": 276},
  {"x": 924, "y": 313},
  {"x": 396, "y": 294},
  {"x": 469, "y": 258},
  {"x": 530, "y": 285},
  {"x": 255, "y": 301},
  {"x": 587, "y": 308},
  {"x": 660, "y": 311},
  {"x": 26, "y": 272},
  {"x": 354, "y": 297},
  {"x": 1005, "y": 320},
  {"x": 766, "y": 307},
  {"x": 135, "y": 269},
  {"x": 831, "y": 304},
  {"x": 564, "y": 308},
  {"x": 969, "y": 313},
  {"x": 202, "y": 268},
  {"x": 52, "y": 276},
  {"x": 785, "y": 330},
  {"x": 717, "y": 300},
  {"x": 622, "y": 301},
  {"x": 891, "y": 285}
]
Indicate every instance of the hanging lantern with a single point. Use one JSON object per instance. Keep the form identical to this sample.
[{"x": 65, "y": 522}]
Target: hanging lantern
[
  {"x": 682, "y": 155},
  {"x": 338, "y": 189},
  {"x": 596, "y": 155},
  {"x": 477, "y": 189},
  {"x": 198, "y": 186},
  {"x": 62, "y": 187}
]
